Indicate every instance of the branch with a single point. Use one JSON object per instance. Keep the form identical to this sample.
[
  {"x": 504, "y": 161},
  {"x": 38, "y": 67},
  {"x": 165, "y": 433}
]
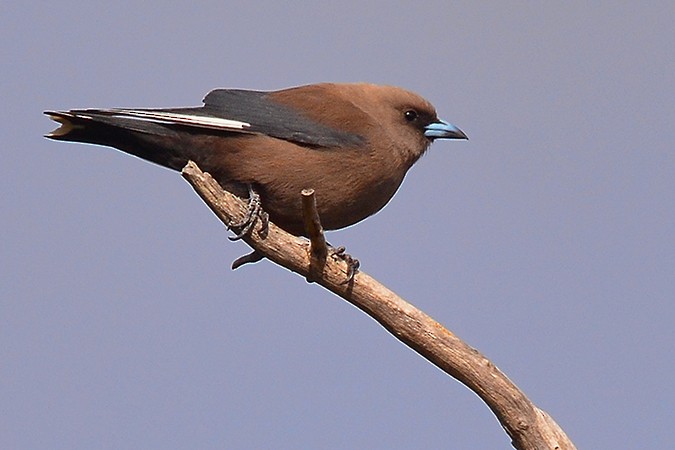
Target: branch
[
  {"x": 528, "y": 426},
  {"x": 318, "y": 250}
]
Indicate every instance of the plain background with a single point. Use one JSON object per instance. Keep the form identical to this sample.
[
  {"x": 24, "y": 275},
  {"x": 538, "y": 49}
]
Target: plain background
[{"x": 546, "y": 241}]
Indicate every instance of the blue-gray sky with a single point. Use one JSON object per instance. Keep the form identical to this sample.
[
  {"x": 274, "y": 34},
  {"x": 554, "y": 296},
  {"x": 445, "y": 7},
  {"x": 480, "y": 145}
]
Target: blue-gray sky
[{"x": 546, "y": 241}]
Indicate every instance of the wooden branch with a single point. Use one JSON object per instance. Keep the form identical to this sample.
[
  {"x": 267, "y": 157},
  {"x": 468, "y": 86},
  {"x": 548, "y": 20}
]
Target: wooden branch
[
  {"x": 318, "y": 250},
  {"x": 528, "y": 426}
]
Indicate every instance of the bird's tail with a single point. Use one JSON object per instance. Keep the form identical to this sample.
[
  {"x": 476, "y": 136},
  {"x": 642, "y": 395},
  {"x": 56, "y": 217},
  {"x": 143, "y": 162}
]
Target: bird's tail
[{"x": 146, "y": 139}]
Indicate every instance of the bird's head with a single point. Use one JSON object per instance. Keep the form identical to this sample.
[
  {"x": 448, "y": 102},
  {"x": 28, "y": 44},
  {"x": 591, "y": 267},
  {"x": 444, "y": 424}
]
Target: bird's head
[{"x": 408, "y": 118}]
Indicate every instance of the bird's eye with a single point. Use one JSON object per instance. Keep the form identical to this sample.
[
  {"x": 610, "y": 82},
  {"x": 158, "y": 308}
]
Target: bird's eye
[{"x": 410, "y": 115}]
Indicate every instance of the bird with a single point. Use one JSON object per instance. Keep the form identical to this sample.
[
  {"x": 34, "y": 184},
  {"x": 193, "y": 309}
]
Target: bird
[{"x": 352, "y": 143}]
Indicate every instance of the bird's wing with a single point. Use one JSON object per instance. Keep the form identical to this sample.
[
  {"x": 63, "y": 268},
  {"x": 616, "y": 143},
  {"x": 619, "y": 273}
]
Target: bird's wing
[
  {"x": 266, "y": 116},
  {"x": 228, "y": 111},
  {"x": 173, "y": 117}
]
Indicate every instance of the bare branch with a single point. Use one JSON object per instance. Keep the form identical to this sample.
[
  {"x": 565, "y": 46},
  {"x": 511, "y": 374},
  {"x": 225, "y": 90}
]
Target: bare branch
[
  {"x": 528, "y": 426},
  {"x": 248, "y": 258},
  {"x": 318, "y": 250}
]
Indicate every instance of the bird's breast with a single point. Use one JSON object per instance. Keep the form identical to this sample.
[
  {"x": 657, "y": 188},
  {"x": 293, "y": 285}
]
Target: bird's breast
[{"x": 348, "y": 189}]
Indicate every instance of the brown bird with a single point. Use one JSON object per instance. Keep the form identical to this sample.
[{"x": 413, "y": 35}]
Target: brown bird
[{"x": 351, "y": 143}]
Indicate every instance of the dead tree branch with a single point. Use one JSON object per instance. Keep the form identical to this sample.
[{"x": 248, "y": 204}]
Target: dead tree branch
[{"x": 529, "y": 427}]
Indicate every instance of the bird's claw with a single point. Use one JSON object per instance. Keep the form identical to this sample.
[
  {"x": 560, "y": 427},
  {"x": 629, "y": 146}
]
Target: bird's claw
[
  {"x": 253, "y": 213},
  {"x": 353, "y": 264}
]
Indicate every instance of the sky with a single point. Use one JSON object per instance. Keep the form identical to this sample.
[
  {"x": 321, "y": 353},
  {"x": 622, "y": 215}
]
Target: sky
[{"x": 546, "y": 241}]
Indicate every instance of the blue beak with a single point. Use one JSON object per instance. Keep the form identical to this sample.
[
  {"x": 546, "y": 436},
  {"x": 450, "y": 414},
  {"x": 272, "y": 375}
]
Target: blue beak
[{"x": 443, "y": 130}]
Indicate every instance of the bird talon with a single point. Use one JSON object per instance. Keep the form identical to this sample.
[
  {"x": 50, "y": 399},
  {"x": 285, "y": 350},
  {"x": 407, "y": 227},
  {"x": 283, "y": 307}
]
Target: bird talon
[
  {"x": 353, "y": 264},
  {"x": 253, "y": 213},
  {"x": 265, "y": 222}
]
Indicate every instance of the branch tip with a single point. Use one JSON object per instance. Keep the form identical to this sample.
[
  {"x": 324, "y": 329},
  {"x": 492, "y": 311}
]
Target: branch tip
[
  {"x": 313, "y": 227},
  {"x": 249, "y": 258}
]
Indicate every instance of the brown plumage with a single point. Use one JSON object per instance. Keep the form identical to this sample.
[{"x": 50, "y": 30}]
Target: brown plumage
[{"x": 351, "y": 143}]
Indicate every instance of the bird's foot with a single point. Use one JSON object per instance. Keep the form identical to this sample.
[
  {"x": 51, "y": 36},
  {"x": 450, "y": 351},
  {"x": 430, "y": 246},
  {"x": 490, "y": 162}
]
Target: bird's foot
[
  {"x": 353, "y": 264},
  {"x": 253, "y": 213}
]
